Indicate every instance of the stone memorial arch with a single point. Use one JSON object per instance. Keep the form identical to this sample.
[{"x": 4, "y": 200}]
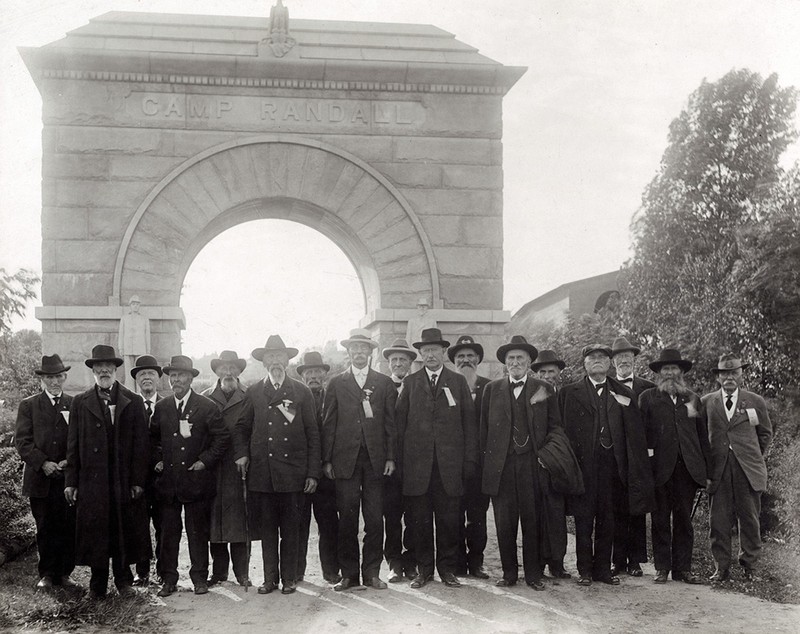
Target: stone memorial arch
[{"x": 162, "y": 131}]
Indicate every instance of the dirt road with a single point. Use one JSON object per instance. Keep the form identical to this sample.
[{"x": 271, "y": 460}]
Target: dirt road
[{"x": 637, "y": 605}]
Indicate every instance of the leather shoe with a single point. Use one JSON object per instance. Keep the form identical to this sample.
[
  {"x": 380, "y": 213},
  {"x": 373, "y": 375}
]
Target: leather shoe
[
  {"x": 141, "y": 582},
  {"x": 332, "y": 578},
  {"x": 584, "y": 581},
  {"x": 537, "y": 584},
  {"x": 289, "y": 587},
  {"x": 661, "y": 576},
  {"x": 67, "y": 582},
  {"x": 479, "y": 572},
  {"x": 375, "y": 582},
  {"x": 395, "y": 575},
  {"x": 615, "y": 570},
  {"x": 243, "y": 581},
  {"x": 201, "y": 588},
  {"x": 747, "y": 573},
  {"x": 559, "y": 573},
  {"x": 125, "y": 590},
  {"x": 267, "y": 587},
  {"x": 635, "y": 570},
  {"x": 214, "y": 580},
  {"x": 45, "y": 583},
  {"x": 345, "y": 584},
  {"x": 720, "y": 575},
  {"x": 505, "y": 583},
  {"x": 687, "y": 576},
  {"x": 611, "y": 580},
  {"x": 420, "y": 580},
  {"x": 167, "y": 589},
  {"x": 450, "y": 580},
  {"x": 96, "y": 596},
  {"x": 411, "y": 572}
]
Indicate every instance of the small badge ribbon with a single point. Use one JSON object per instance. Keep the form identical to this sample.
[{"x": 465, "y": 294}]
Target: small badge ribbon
[
  {"x": 287, "y": 413},
  {"x": 539, "y": 396},
  {"x": 186, "y": 427},
  {"x": 450, "y": 400},
  {"x": 752, "y": 416},
  {"x": 65, "y": 414},
  {"x": 621, "y": 399},
  {"x": 691, "y": 410},
  {"x": 367, "y": 408}
]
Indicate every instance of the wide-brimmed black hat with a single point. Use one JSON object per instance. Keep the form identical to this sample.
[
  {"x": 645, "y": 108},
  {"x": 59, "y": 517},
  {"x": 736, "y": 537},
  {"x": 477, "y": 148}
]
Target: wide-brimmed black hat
[
  {"x": 431, "y": 337},
  {"x": 670, "y": 356},
  {"x": 51, "y": 365},
  {"x": 401, "y": 346},
  {"x": 621, "y": 344},
  {"x": 465, "y": 341},
  {"x": 595, "y": 347},
  {"x": 518, "y": 342},
  {"x": 360, "y": 335},
  {"x": 727, "y": 362},
  {"x": 548, "y": 357},
  {"x": 274, "y": 344},
  {"x": 312, "y": 359},
  {"x": 103, "y": 353},
  {"x": 181, "y": 363},
  {"x": 145, "y": 362},
  {"x": 228, "y": 356}
]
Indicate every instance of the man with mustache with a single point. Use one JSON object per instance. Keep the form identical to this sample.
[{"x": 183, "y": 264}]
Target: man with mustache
[
  {"x": 277, "y": 449},
  {"x": 466, "y": 355},
  {"x": 107, "y": 462},
  {"x": 677, "y": 437},
  {"x": 228, "y": 535},
  {"x": 740, "y": 433},
  {"x": 630, "y": 536},
  {"x": 548, "y": 368},
  {"x": 603, "y": 423},
  {"x": 358, "y": 445}
]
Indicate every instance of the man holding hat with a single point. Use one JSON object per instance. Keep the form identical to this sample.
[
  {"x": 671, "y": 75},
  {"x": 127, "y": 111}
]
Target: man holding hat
[
  {"x": 603, "y": 423},
  {"x": 518, "y": 417},
  {"x": 192, "y": 439},
  {"x": 146, "y": 372},
  {"x": 41, "y": 441},
  {"x": 314, "y": 371},
  {"x": 740, "y": 433},
  {"x": 548, "y": 368},
  {"x": 228, "y": 513},
  {"x": 107, "y": 462},
  {"x": 358, "y": 445},
  {"x": 436, "y": 422},
  {"x": 277, "y": 449},
  {"x": 677, "y": 437},
  {"x": 466, "y": 355},
  {"x": 630, "y": 536},
  {"x": 401, "y": 562}
]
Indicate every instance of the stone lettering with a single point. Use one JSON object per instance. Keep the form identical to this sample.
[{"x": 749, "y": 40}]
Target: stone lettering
[
  {"x": 173, "y": 109},
  {"x": 335, "y": 113},
  {"x": 150, "y": 106},
  {"x": 268, "y": 109},
  {"x": 291, "y": 113},
  {"x": 312, "y": 112},
  {"x": 223, "y": 105},
  {"x": 198, "y": 109},
  {"x": 359, "y": 115}
]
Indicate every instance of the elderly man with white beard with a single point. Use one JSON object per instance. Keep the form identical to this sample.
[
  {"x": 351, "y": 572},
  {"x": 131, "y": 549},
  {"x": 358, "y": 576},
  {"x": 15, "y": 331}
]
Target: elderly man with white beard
[{"x": 677, "y": 438}]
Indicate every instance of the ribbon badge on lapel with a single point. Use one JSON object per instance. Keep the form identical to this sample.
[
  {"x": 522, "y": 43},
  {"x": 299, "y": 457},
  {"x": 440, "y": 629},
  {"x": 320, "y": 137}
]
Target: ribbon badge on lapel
[
  {"x": 691, "y": 409},
  {"x": 366, "y": 393},
  {"x": 539, "y": 396},
  {"x": 621, "y": 399},
  {"x": 185, "y": 426},
  {"x": 450, "y": 400},
  {"x": 65, "y": 414},
  {"x": 288, "y": 409}
]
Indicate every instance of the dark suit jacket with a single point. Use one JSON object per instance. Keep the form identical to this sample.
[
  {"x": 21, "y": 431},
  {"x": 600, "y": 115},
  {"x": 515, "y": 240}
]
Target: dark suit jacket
[
  {"x": 496, "y": 424},
  {"x": 346, "y": 424},
  {"x": 282, "y": 454},
  {"x": 41, "y": 435},
  {"x": 207, "y": 442},
  {"x": 671, "y": 427},
  {"x": 640, "y": 385},
  {"x": 578, "y": 412},
  {"x": 430, "y": 428},
  {"x": 748, "y": 441}
]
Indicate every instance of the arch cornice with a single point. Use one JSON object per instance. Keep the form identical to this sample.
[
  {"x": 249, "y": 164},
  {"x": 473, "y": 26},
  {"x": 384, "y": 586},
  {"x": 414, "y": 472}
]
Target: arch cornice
[{"x": 130, "y": 231}]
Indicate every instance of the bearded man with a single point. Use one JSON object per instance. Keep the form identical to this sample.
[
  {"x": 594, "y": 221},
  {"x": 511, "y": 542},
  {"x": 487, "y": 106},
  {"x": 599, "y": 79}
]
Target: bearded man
[{"x": 677, "y": 438}]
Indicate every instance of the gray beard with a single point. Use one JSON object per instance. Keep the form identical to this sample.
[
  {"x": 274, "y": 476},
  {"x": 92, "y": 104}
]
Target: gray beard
[{"x": 672, "y": 387}]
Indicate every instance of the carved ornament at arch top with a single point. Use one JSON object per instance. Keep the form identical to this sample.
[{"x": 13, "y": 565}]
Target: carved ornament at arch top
[{"x": 272, "y": 176}]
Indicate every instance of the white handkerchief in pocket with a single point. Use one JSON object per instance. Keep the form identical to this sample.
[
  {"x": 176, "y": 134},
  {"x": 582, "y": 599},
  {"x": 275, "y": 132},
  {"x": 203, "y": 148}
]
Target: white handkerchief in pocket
[
  {"x": 186, "y": 427},
  {"x": 450, "y": 400}
]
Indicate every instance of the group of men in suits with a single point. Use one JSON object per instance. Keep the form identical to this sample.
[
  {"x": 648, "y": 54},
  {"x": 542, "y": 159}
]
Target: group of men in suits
[{"x": 418, "y": 455}]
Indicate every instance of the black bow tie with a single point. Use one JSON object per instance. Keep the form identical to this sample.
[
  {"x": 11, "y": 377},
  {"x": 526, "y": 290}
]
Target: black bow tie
[
  {"x": 628, "y": 380},
  {"x": 516, "y": 384},
  {"x": 600, "y": 386}
]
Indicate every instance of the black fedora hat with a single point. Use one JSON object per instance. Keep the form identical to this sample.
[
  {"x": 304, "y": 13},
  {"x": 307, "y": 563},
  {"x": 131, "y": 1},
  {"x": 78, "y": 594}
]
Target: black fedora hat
[
  {"x": 465, "y": 341},
  {"x": 548, "y": 357},
  {"x": 518, "y": 342},
  {"x": 400, "y": 346},
  {"x": 670, "y": 356},
  {"x": 727, "y": 362},
  {"x": 621, "y": 344},
  {"x": 181, "y": 363},
  {"x": 312, "y": 359},
  {"x": 102, "y": 352},
  {"x": 228, "y": 356},
  {"x": 51, "y": 365},
  {"x": 274, "y": 344},
  {"x": 431, "y": 337},
  {"x": 145, "y": 362}
]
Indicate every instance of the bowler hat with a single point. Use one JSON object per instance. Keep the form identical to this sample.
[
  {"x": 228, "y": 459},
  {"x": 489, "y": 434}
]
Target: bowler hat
[
  {"x": 548, "y": 357},
  {"x": 465, "y": 341},
  {"x": 274, "y": 344},
  {"x": 360, "y": 335},
  {"x": 51, "y": 365},
  {"x": 145, "y": 362},
  {"x": 228, "y": 356},
  {"x": 312, "y": 359},
  {"x": 727, "y": 362},
  {"x": 621, "y": 344},
  {"x": 401, "y": 346},
  {"x": 103, "y": 353},
  {"x": 595, "y": 347},
  {"x": 181, "y": 363},
  {"x": 670, "y": 356},
  {"x": 518, "y": 342},
  {"x": 431, "y": 337}
]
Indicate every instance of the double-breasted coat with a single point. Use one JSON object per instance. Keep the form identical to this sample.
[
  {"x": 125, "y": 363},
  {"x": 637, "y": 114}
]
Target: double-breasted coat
[
  {"x": 41, "y": 435},
  {"x": 104, "y": 471},
  {"x": 577, "y": 405},
  {"x": 429, "y": 426},
  {"x": 207, "y": 442},
  {"x": 282, "y": 453},
  {"x": 228, "y": 518},
  {"x": 345, "y": 422}
]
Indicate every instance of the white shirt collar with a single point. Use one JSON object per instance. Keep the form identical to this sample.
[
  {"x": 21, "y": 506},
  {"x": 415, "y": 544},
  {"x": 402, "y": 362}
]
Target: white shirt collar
[
  {"x": 52, "y": 396},
  {"x": 626, "y": 379},
  {"x": 182, "y": 402},
  {"x": 523, "y": 378},
  {"x": 595, "y": 383},
  {"x": 362, "y": 372},
  {"x": 431, "y": 373}
]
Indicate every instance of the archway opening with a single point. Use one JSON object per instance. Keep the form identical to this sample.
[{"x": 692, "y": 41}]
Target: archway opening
[{"x": 265, "y": 277}]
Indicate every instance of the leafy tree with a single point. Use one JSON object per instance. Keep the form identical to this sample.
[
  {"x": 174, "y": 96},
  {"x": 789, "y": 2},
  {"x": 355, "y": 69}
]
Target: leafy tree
[
  {"x": 20, "y": 353},
  {"x": 15, "y": 291}
]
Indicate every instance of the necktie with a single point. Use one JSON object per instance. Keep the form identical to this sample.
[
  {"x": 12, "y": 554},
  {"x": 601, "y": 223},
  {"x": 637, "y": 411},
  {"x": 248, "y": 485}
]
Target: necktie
[
  {"x": 600, "y": 387},
  {"x": 149, "y": 407},
  {"x": 729, "y": 402},
  {"x": 433, "y": 382},
  {"x": 180, "y": 410},
  {"x": 55, "y": 401}
]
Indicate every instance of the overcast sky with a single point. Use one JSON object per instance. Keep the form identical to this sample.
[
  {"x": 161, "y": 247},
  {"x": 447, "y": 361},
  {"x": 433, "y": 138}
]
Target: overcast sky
[{"x": 584, "y": 130}]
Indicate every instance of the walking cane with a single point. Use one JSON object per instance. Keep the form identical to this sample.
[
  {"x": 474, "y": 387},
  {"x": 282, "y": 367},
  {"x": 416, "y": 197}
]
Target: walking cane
[
  {"x": 697, "y": 497},
  {"x": 246, "y": 532}
]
